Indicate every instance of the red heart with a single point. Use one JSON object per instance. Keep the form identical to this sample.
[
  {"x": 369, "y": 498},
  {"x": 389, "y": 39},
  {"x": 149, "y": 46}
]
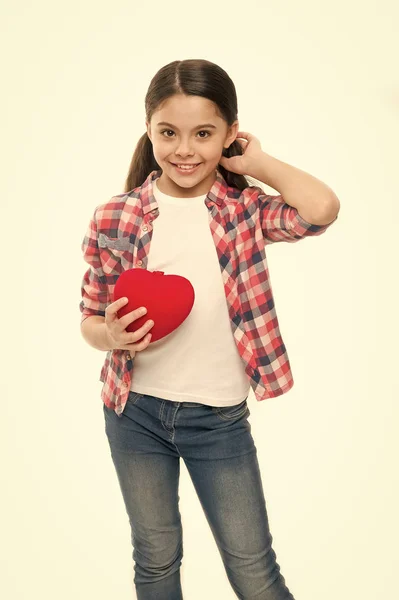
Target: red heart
[{"x": 167, "y": 298}]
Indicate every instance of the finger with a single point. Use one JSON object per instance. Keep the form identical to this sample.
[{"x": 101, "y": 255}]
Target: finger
[
  {"x": 141, "y": 331},
  {"x": 146, "y": 340},
  {"x": 143, "y": 343},
  {"x": 112, "y": 311},
  {"x": 132, "y": 316}
]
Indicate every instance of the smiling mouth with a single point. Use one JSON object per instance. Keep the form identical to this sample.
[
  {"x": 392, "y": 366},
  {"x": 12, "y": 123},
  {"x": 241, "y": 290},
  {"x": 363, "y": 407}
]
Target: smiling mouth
[
  {"x": 186, "y": 170},
  {"x": 186, "y": 164}
]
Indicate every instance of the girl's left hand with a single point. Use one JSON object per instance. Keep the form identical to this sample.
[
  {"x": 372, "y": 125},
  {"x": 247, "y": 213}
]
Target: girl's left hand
[{"x": 251, "y": 157}]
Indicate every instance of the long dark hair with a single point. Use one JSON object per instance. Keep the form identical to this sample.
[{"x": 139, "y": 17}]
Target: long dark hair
[{"x": 189, "y": 77}]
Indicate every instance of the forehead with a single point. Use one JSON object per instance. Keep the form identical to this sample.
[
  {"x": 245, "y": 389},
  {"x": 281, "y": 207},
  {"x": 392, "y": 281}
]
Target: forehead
[{"x": 187, "y": 111}]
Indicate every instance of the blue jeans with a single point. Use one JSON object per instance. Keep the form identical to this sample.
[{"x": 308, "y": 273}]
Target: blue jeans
[{"x": 216, "y": 444}]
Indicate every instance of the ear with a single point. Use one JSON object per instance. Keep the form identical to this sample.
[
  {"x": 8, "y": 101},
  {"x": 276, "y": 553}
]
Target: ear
[
  {"x": 232, "y": 133},
  {"x": 148, "y": 129}
]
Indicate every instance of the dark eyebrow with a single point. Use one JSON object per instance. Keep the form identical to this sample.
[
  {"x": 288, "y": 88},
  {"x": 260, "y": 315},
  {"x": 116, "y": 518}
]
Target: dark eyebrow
[{"x": 198, "y": 126}]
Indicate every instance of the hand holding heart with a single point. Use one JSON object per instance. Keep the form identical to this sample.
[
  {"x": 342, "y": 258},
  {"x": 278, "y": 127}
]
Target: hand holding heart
[
  {"x": 117, "y": 335},
  {"x": 167, "y": 298}
]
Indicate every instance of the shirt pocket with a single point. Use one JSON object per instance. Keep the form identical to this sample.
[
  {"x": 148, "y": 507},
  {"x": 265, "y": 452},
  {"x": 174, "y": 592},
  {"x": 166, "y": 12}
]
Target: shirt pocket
[{"x": 116, "y": 254}]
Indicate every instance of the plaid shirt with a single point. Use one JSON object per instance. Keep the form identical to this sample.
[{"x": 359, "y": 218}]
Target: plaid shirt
[{"x": 242, "y": 224}]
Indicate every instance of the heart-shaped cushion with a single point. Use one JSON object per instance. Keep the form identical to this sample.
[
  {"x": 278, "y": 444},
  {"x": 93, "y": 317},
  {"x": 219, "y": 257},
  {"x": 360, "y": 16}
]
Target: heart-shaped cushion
[{"x": 167, "y": 298}]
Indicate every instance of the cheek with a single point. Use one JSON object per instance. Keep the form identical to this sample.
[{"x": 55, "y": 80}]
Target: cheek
[
  {"x": 163, "y": 151},
  {"x": 160, "y": 154},
  {"x": 215, "y": 150}
]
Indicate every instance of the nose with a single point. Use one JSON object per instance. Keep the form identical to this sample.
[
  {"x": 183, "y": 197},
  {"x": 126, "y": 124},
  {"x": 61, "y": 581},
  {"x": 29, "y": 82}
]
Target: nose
[{"x": 183, "y": 149}]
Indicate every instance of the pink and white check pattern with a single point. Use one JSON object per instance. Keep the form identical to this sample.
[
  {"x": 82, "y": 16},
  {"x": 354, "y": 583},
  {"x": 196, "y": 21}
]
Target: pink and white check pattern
[{"x": 242, "y": 223}]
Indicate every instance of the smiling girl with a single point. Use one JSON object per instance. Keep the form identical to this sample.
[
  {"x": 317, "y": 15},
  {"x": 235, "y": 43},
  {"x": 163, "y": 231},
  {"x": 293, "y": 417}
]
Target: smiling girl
[{"x": 188, "y": 209}]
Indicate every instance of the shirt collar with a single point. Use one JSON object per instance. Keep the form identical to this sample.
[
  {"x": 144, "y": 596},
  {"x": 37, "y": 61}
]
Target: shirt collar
[{"x": 216, "y": 194}]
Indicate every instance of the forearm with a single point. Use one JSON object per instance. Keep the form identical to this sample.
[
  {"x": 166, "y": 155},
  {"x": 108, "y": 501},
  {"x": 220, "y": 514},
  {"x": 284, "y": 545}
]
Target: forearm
[
  {"x": 315, "y": 201},
  {"x": 95, "y": 333}
]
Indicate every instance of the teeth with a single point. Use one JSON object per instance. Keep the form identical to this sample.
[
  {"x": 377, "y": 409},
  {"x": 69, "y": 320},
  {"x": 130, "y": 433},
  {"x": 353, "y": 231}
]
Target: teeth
[{"x": 186, "y": 166}]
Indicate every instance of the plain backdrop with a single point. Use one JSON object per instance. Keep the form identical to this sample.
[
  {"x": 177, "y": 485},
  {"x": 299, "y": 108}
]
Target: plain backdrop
[{"x": 318, "y": 84}]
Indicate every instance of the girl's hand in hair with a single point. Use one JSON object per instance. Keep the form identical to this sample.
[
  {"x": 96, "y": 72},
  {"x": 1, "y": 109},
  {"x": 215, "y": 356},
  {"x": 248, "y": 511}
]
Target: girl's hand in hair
[{"x": 251, "y": 158}]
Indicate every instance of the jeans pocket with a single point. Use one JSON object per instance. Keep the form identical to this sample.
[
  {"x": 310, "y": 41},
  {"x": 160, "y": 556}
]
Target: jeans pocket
[
  {"x": 134, "y": 397},
  {"x": 227, "y": 413}
]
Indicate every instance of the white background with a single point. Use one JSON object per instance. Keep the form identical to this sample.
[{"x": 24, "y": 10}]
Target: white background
[{"x": 317, "y": 83}]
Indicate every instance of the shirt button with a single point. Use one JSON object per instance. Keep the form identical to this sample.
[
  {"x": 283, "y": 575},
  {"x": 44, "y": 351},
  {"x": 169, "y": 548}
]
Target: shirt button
[
  {"x": 145, "y": 228},
  {"x": 124, "y": 384}
]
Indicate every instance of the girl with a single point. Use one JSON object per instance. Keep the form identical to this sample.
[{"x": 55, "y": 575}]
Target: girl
[{"x": 187, "y": 200}]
